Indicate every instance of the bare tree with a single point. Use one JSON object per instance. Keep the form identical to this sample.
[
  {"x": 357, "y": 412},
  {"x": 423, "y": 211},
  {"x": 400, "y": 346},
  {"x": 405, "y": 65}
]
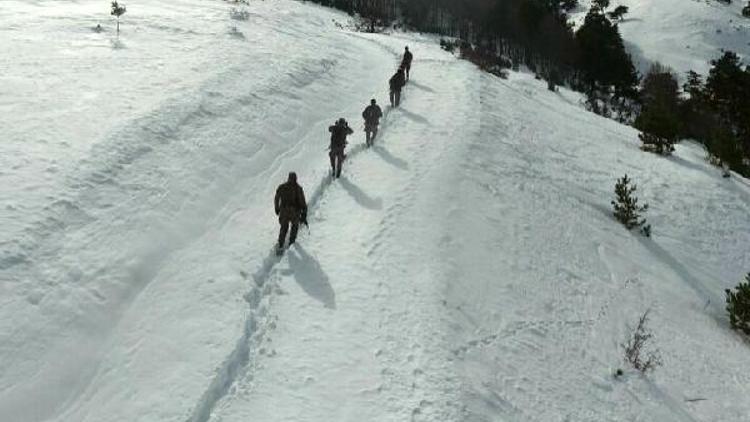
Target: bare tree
[{"x": 635, "y": 348}]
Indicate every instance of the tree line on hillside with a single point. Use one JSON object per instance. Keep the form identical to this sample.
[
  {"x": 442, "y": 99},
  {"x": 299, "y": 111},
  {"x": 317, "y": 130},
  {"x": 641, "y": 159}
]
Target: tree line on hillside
[
  {"x": 591, "y": 59},
  {"x": 535, "y": 33},
  {"x": 715, "y": 111}
]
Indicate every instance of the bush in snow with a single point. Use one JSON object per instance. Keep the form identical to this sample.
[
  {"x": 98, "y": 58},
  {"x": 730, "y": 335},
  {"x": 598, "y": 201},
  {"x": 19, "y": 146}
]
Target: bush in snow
[
  {"x": 636, "y": 347},
  {"x": 746, "y": 10},
  {"x": 117, "y": 11},
  {"x": 626, "y": 208},
  {"x": 485, "y": 58},
  {"x": 738, "y": 306},
  {"x": 656, "y": 144},
  {"x": 618, "y": 13},
  {"x": 448, "y": 45}
]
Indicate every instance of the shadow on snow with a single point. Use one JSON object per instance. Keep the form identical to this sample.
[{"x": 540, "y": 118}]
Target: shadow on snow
[{"x": 310, "y": 276}]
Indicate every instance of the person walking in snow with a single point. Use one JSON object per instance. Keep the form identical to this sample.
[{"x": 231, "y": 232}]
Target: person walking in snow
[
  {"x": 291, "y": 207},
  {"x": 339, "y": 131},
  {"x": 372, "y": 115},
  {"x": 406, "y": 61},
  {"x": 397, "y": 82}
]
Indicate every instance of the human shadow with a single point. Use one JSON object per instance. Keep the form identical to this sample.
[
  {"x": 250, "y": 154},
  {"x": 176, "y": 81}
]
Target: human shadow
[
  {"x": 390, "y": 158},
  {"x": 414, "y": 116},
  {"x": 311, "y": 277},
  {"x": 420, "y": 86},
  {"x": 360, "y": 196},
  {"x": 116, "y": 44}
]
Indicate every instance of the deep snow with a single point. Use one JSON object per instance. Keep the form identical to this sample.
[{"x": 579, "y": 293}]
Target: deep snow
[{"x": 466, "y": 268}]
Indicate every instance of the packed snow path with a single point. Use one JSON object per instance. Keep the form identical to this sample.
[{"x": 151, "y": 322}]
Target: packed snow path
[
  {"x": 355, "y": 315},
  {"x": 466, "y": 268}
]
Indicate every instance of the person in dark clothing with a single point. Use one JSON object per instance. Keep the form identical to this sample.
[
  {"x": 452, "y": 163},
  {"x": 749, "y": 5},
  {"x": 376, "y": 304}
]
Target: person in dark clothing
[
  {"x": 372, "y": 115},
  {"x": 406, "y": 62},
  {"x": 339, "y": 131},
  {"x": 291, "y": 207},
  {"x": 397, "y": 82}
]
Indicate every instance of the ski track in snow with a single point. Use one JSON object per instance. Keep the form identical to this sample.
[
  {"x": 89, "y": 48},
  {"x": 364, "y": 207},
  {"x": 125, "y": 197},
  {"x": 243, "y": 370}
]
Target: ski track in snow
[
  {"x": 255, "y": 326},
  {"x": 411, "y": 403}
]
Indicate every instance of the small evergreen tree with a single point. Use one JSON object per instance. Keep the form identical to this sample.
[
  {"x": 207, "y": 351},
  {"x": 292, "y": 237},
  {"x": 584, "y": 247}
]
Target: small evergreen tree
[
  {"x": 746, "y": 10},
  {"x": 117, "y": 11},
  {"x": 738, "y": 306},
  {"x": 618, "y": 13},
  {"x": 626, "y": 208}
]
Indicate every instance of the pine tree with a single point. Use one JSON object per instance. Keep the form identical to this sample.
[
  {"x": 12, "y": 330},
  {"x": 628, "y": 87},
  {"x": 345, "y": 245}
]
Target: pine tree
[
  {"x": 659, "y": 120},
  {"x": 738, "y": 306},
  {"x": 626, "y": 208},
  {"x": 746, "y": 10},
  {"x": 723, "y": 81},
  {"x": 604, "y": 61},
  {"x": 117, "y": 11},
  {"x": 727, "y": 92}
]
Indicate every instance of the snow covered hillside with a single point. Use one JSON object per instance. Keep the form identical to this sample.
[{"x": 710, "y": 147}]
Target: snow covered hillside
[
  {"x": 465, "y": 268},
  {"x": 683, "y": 34}
]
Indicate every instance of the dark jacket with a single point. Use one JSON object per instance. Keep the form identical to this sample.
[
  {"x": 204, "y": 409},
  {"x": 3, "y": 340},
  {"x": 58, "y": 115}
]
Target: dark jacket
[
  {"x": 338, "y": 135},
  {"x": 408, "y": 57},
  {"x": 290, "y": 198},
  {"x": 397, "y": 81},
  {"x": 372, "y": 114}
]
